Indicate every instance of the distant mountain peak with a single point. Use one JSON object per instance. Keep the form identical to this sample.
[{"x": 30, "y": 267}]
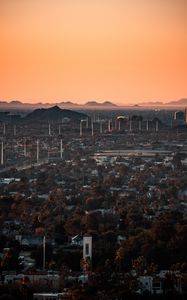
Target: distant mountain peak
[
  {"x": 179, "y": 102},
  {"x": 95, "y": 103},
  {"x": 16, "y": 102},
  {"x": 182, "y": 101},
  {"x": 91, "y": 103},
  {"x": 108, "y": 103},
  {"x": 54, "y": 108}
]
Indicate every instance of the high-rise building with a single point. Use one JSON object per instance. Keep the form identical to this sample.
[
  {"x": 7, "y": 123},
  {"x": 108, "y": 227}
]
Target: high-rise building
[{"x": 87, "y": 247}]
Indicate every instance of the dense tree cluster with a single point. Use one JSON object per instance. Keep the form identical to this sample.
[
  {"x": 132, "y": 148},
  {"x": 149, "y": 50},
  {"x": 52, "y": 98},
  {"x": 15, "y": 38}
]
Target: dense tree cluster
[{"x": 134, "y": 209}]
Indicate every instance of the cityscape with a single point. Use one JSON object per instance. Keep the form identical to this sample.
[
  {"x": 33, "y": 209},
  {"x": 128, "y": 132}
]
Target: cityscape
[
  {"x": 93, "y": 204},
  {"x": 93, "y": 150}
]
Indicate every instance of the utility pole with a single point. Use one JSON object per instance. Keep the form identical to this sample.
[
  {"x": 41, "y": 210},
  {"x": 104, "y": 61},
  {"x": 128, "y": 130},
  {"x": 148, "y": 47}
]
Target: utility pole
[
  {"x": 2, "y": 153},
  {"x": 61, "y": 148},
  {"x": 49, "y": 129},
  {"x": 25, "y": 148},
  {"x": 92, "y": 128},
  {"x": 109, "y": 128},
  {"x": 119, "y": 125},
  {"x": 147, "y": 125},
  {"x": 130, "y": 125},
  {"x": 87, "y": 123},
  {"x": 44, "y": 253},
  {"x": 4, "y": 129},
  {"x": 140, "y": 125},
  {"x": 37, "y": 150},
  {"x": 101, "y": 127},
  {"x": 81, "y": 128},
  {"x": 59, "y": 129},
  {"x": 14, "y": 130},
  {"x": 156, "y": 129}
]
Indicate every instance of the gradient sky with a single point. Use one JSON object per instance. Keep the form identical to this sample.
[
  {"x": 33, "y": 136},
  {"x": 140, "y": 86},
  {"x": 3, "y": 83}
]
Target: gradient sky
[{"x": 125, "y": 51}]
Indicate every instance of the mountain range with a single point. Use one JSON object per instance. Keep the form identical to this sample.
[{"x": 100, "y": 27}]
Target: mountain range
[
  {"x": 21, "y": 105},
  {"x": 181, "y": 102},
  {"x": 88, "y": 105}
]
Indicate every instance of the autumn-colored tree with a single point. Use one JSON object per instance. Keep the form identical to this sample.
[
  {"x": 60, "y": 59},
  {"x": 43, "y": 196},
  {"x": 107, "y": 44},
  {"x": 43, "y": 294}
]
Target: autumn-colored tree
[
  {"x": 86, "y": 265},
  {"x": 119, "y": 259},
  {"x": 139, "y": 265}
]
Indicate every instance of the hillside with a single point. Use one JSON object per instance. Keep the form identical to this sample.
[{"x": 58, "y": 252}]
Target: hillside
[{"x": 54, "y": 113}]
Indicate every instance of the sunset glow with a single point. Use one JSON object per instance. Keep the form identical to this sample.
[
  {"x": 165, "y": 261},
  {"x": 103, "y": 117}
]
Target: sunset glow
[{"x": 124, "y": 51}]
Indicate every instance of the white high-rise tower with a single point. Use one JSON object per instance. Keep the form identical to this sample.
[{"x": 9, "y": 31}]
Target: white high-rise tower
[{"x": 87, "y": 247}]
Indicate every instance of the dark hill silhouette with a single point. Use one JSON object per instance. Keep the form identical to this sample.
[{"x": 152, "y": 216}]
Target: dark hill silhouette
[{"x": 54, "y": 113}]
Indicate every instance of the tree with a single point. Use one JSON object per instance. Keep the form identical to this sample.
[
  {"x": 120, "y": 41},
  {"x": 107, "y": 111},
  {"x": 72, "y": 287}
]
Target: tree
[
  {"x": 93, "y": 203},
  {"x": 119, "y": 259},
  {"x": 139, "y": 264},
  {"x": 86, "y": 265}
]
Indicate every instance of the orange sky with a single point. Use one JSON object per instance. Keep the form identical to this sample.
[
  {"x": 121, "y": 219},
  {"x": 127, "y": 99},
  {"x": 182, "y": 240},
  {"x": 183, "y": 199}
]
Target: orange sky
[{"x": 125, "y": 51}]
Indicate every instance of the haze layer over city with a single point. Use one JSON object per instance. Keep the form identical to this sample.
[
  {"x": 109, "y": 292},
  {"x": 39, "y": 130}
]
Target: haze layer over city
[{"x": 93, "y": 150}]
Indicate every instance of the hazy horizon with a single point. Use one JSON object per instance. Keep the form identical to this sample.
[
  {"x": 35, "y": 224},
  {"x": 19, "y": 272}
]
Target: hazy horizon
[
  {"x": 126, "y": 52},
  {"x": 97, "y": 104}
]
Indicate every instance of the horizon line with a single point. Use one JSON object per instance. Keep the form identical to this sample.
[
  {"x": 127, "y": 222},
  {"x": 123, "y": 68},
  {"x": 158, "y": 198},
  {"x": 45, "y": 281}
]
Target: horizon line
[{"x": 110, "y": 102}]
